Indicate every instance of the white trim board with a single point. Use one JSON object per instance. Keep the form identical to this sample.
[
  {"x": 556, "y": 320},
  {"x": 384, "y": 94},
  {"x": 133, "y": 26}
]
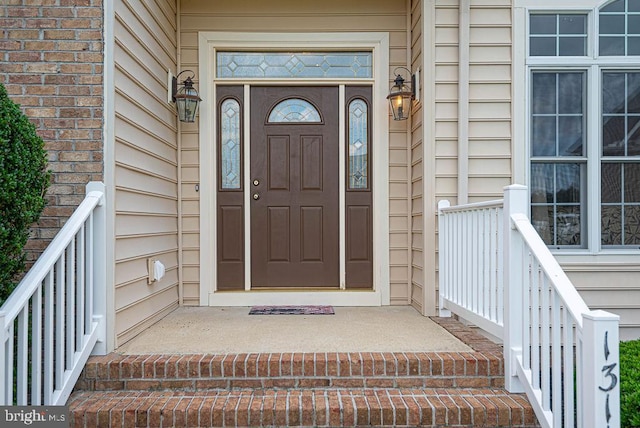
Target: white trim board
[{"x": 378, "y": 43}]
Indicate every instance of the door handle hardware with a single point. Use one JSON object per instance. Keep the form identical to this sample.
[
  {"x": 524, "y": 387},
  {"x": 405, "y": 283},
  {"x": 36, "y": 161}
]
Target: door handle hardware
[
  {"x": 256, "y": 182},
  {"x": 256, "y": 196}
]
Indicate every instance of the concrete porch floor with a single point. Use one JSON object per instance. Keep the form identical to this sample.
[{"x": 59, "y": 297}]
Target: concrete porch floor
[{"x": 189, "y": 330}]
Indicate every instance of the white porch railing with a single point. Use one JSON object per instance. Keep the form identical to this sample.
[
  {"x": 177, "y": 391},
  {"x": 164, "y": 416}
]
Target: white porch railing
[
  {"x": 563, "y": 355},
  {"x": 55, "y": 318}
]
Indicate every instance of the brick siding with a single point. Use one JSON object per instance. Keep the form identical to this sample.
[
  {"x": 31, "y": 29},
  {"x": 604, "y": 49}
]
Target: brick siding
[{"x": 51, "y": 62}]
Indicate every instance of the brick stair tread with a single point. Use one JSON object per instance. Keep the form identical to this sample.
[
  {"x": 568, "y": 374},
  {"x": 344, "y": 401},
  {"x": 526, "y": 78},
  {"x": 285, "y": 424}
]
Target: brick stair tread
[
  {"x": 122, "y": 367},
  {"x": 460, "y": 407}
]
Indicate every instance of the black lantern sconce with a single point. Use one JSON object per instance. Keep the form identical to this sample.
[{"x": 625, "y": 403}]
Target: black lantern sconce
[
  {"x": 401, "y": 96},
  {"x": 186, "y": 98}
]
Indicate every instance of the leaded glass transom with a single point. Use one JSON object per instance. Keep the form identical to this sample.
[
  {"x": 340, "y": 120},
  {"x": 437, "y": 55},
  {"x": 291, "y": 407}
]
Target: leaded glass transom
[
  {"x": 230, "y": 144},
  {"x": 346, "y": 65},
  {"x": 358, "y": 142},
  {"x": 294, "y": 110}
]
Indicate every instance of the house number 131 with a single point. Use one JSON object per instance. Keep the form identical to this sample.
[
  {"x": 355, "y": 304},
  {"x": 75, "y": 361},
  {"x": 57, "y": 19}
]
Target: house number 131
[{"x": 607, "y": 369}]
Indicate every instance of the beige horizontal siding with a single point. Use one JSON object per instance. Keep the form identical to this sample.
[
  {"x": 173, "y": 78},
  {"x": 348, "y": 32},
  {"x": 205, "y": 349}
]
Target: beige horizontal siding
[
  {"x": 146, "y": 165},
  {"x": 612, "y": 287},
  {"x": 283, "y": 16},
  {"x": 489, "y": 104}
]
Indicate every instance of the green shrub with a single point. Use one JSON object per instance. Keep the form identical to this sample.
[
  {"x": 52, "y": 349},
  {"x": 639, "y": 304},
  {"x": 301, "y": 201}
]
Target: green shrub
[
  {"x": 23, "y": 182},
  {"x": 630, "y": 384}
]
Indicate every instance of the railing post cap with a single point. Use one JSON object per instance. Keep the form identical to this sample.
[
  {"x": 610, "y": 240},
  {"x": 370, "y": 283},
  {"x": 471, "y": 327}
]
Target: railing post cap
[
  {"x": 515, "y": 187},
  {"x": 444, "y": 203},
  {"x": 600, "y": 315}
]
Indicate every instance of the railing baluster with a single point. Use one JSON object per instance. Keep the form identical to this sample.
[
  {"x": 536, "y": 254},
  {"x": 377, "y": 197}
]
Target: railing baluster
[
  {"x": 36, "y": 348},
  {"x": 59, "y": 330},
  {"x": 473, "y": 271},
  {"x": 459, "y": 261},
  {"x": 579, "y": 380},
  {"x": 455, "y": 279},
  {"x": 22, "y": 378},
  {"x": 9, "y": 360},
  {"x": 486, "y": 263},
  {"x": 71, "y": 304},
  {"x": 448, "y": 274},
  {"x": 90, "y": 238},
  {"x": 569, "y": 394},
  {"x": 49, "y": 321},
  {"x": 535, "y": 326},
  {"x": 556, "y": 389},
  {"x": 526, "y": 314},
  {"x": 80, "y": 295},
  {"x": 468, "y": 265},
  {"x": 545, "y": 348},
  {"x": 500, "y": 275}
]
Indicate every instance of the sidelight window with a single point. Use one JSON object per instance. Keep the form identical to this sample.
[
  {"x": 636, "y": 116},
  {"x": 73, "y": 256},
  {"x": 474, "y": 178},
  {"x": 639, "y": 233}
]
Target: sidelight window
[
  {"x": 358, "y": 144},
  {"x": 230, "y": 144}
]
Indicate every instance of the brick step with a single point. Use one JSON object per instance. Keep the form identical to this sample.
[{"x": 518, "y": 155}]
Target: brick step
[
  {"x": 294, "y": 370},
  {"x": 301, "y": 407}
]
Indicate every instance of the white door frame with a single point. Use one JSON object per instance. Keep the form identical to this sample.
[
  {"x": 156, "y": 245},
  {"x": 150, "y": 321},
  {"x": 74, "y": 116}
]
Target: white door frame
[{"x": 378, "y": 43}]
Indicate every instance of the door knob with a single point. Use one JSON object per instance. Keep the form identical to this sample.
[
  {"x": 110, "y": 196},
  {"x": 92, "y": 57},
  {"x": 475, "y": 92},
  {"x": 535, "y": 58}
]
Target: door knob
[
  {"x": 256, "y": 196},
  {"x": 256, "y": 182}
]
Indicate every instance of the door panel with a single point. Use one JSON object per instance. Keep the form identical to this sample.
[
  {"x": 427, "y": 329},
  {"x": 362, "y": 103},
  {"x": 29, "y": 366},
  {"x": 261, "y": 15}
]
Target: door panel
[
  {"x": 278, "y": 234},
  {"x": 311, "y": 234},
  {"x": 294, "y": 206},
  {"x": 311, "y": 163},
  {"x": 278, "y": 163}
]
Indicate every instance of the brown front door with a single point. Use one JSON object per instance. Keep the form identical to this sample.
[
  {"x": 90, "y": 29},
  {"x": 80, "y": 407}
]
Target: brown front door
[{"x": 294, "y": 187}]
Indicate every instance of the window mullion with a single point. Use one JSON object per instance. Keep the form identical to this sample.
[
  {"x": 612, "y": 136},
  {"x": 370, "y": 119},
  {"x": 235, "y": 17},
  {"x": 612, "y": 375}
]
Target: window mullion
[{"x": 593, "y": 151}]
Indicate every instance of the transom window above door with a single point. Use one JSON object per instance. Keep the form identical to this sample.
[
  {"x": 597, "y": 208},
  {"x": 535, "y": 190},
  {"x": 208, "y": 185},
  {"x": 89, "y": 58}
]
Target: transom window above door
[
  {"x": 323, "y": 65},
  {"x": 584, "y": 126}
]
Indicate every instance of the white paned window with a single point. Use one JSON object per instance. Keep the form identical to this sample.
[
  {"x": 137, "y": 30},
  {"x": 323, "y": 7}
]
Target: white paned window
[{"x": 584, "y": 126}]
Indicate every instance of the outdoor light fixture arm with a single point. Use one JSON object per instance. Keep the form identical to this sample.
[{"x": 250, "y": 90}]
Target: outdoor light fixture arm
[
  {"x": 413, "y": 79},
  {"x": 188, "y": 82}
]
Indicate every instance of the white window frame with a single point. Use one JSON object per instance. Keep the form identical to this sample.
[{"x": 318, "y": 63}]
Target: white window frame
[{"x": 593, "y": 65}]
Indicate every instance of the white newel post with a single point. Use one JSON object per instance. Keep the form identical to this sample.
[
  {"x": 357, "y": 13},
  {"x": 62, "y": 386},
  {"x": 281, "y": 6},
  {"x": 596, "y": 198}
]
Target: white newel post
[
  {"x": 99, "y": 269},
  {"x": 600, "y": 370},
  {"x": 515, "y": 202},
  {"x": 444, "y": 261}
]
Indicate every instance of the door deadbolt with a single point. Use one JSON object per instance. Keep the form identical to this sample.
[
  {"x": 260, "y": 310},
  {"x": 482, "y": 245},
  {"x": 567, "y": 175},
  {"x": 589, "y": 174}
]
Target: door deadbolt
[
  {"x": 256, "y": 196},
  {"x": 256, "y": 182}
]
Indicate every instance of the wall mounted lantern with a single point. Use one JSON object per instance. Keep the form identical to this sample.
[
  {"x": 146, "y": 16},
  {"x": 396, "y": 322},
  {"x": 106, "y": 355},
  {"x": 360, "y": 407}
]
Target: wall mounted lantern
[
  {"x": 186, "y": 98},
  {"x": 401, "y": 96}
]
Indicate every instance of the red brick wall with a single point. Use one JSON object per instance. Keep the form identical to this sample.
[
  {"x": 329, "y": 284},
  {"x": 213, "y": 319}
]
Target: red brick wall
[{"x": 51, "y": 56}]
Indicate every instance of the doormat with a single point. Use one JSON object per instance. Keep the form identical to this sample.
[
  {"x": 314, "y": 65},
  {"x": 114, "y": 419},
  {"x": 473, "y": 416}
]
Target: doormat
[{"x": 291, "y": 310}]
